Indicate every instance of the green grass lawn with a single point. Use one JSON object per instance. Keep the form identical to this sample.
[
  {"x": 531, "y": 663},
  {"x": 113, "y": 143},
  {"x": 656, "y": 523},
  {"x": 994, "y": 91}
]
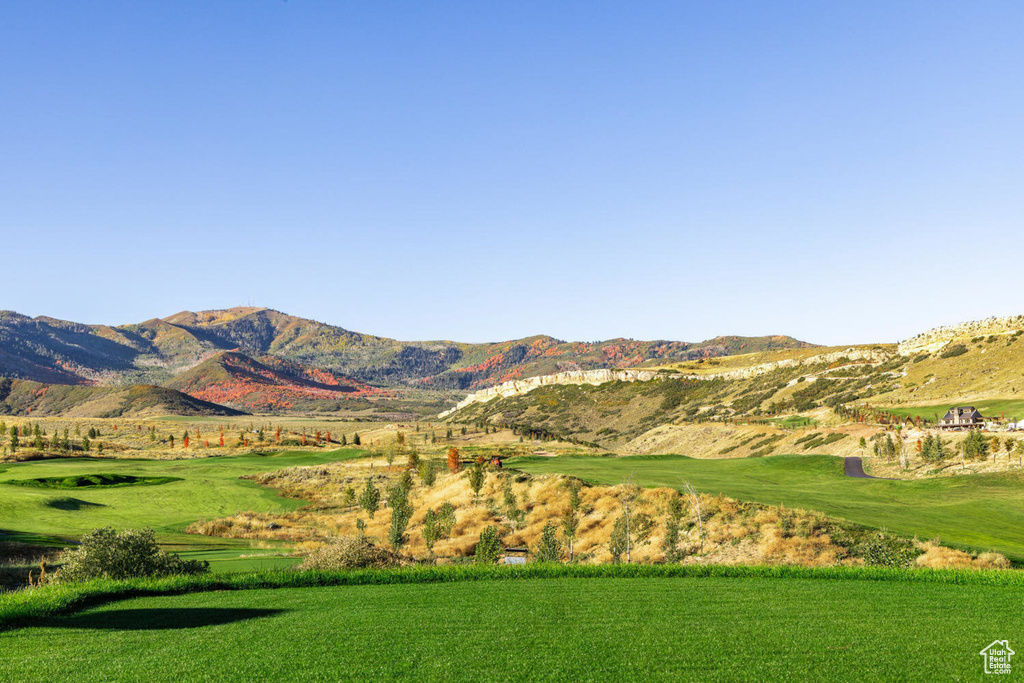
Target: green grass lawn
[
  {"x": 980, "y": 512},
  {"x": 207, "y": 488},
  {"x": 241, "y": 559},
  {"x": 688, "y": 629},
  {"x": 793, "y": 421},
  {"x": 1010, "y": 409}
]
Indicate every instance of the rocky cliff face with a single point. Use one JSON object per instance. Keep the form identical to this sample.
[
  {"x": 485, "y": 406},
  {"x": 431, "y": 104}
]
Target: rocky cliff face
[
  {"x": 937, "y": 338},
  {"x": 522, "y": 386}
]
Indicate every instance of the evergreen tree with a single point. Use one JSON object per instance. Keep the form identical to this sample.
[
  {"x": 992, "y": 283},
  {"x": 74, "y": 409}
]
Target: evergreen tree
[
  {"x": 476, "y": 479},
  {"x": 369, "y": 500},
  {"x": 401, "y": 512},
  {"x": 975, "y": 446},
  {"x": 428, "y": 472},
  {"x": 673, "y": 553},
  {"x": 549, "y": 549},
  {"x": 430, "y": 531},
  {"x": 928, "y": 448},
  {"x": 571, "y": 516},
  {"x": 489, "y": 549}
]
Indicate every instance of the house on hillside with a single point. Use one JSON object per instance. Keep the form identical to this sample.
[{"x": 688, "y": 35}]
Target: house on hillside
[{"x": 966, "y": 417}]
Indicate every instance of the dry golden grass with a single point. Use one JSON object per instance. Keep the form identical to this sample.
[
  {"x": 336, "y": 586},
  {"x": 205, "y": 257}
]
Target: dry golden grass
[
  {"x": 940, "y": 557},
  {"x": 735, "y": 532}
]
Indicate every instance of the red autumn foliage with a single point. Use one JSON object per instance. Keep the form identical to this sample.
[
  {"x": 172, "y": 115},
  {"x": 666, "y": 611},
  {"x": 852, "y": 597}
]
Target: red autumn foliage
[{"x": 273, "y": 384}]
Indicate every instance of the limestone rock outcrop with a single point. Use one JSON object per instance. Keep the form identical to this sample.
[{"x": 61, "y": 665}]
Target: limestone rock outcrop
[{"x": 938, "y": 337}]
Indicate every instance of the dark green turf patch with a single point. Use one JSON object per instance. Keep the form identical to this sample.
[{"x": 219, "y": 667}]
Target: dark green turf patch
[
  {"x": 69, "y": 504},
  {"x": 80, "y": 481}
]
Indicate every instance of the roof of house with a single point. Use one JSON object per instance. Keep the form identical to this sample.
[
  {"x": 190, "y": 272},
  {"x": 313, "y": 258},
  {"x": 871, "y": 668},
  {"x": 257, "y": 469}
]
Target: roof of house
[{"x": 962, "y": 412}]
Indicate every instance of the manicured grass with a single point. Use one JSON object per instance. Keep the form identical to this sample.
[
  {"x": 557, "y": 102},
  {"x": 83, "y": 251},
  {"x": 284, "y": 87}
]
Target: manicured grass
[
  {"x": 713, "y": 628},
  {"x": 1010, "y": 409},
  {"x": 979, "y": 511},
  {"x": 207, "y": 488},
  {"x": 241, "y": 559}
]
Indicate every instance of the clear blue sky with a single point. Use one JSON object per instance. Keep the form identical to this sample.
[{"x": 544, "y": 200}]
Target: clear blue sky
[{"x": 841, "y": 172}]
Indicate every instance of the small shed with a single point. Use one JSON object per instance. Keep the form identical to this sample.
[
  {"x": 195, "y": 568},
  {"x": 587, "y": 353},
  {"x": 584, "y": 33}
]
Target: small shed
[{"x": 516, "y": 555}]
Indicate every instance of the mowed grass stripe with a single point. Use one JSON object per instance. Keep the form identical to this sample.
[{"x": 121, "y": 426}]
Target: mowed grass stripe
[
  {"x": 978, "y": 511},
  {"x": 707, "y": 629}
]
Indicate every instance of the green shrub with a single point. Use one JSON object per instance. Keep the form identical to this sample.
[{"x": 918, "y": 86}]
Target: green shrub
[
  {"x": 489, "y": 549},
  {"x": 549, "y": 549},
  {"x": 953, "y": 351},
  {"x": 887, "y": 551},
  {"x": 109, "y": 554}
]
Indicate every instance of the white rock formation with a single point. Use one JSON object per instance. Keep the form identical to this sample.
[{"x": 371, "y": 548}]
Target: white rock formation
[{"x": 935, "y": 339}]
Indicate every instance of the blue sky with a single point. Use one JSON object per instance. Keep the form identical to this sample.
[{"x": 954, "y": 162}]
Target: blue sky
[{"x": 840, "y": 172}]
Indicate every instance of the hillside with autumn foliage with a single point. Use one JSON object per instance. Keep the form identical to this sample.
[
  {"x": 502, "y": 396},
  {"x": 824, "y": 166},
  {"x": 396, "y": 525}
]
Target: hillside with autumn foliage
[
  {"x": 269, "y": 384},
  {"x": 264, "y": 360}
]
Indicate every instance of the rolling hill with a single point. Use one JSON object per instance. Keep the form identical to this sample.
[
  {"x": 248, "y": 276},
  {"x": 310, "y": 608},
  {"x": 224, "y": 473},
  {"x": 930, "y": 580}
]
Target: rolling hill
[
  {"x": 261, "y": 359},
  {"x": 22, "y": 397},
  {"x": 268, "y": 384},
  {"x": 978, "y": 363}
]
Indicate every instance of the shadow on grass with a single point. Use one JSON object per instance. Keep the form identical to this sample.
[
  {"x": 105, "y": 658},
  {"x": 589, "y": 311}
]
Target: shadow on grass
[
  {"x": 159, "y": 619},
  {"x": 71, "y": 504}
]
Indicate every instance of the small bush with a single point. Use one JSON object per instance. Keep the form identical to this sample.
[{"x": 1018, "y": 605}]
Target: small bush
[
  {"x": 954, "y": 351},
  {"x": 549, "y": 549},
  {"x": 887, "y": 551},
  {"x": 109, "y": 554},
  {"x": 489, "y": 549},
  {"x": 351, "y": 552}
]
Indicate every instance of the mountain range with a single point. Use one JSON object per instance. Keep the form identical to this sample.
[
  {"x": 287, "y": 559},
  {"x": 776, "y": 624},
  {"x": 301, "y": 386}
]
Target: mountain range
[{"x": 258, "y": 359}]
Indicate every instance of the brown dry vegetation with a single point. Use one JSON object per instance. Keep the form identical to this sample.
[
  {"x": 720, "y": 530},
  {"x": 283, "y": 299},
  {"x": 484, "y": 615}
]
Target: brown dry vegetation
[
  {"x": 735, "y": 531},
  {"x": 940, "y": 557}
]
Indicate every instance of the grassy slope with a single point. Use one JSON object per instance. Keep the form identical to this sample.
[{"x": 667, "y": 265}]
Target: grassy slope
[
  {"x": 747, "y": 360},
  {"x": 981, "y": 512},
  {"x": 989, "y": 370},
  {"x": 1010, "y": 409},
  {"x": 209, "y": 487},
  {"x": 35, "y": 399},
  {"x": 707, "y": 629}
]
